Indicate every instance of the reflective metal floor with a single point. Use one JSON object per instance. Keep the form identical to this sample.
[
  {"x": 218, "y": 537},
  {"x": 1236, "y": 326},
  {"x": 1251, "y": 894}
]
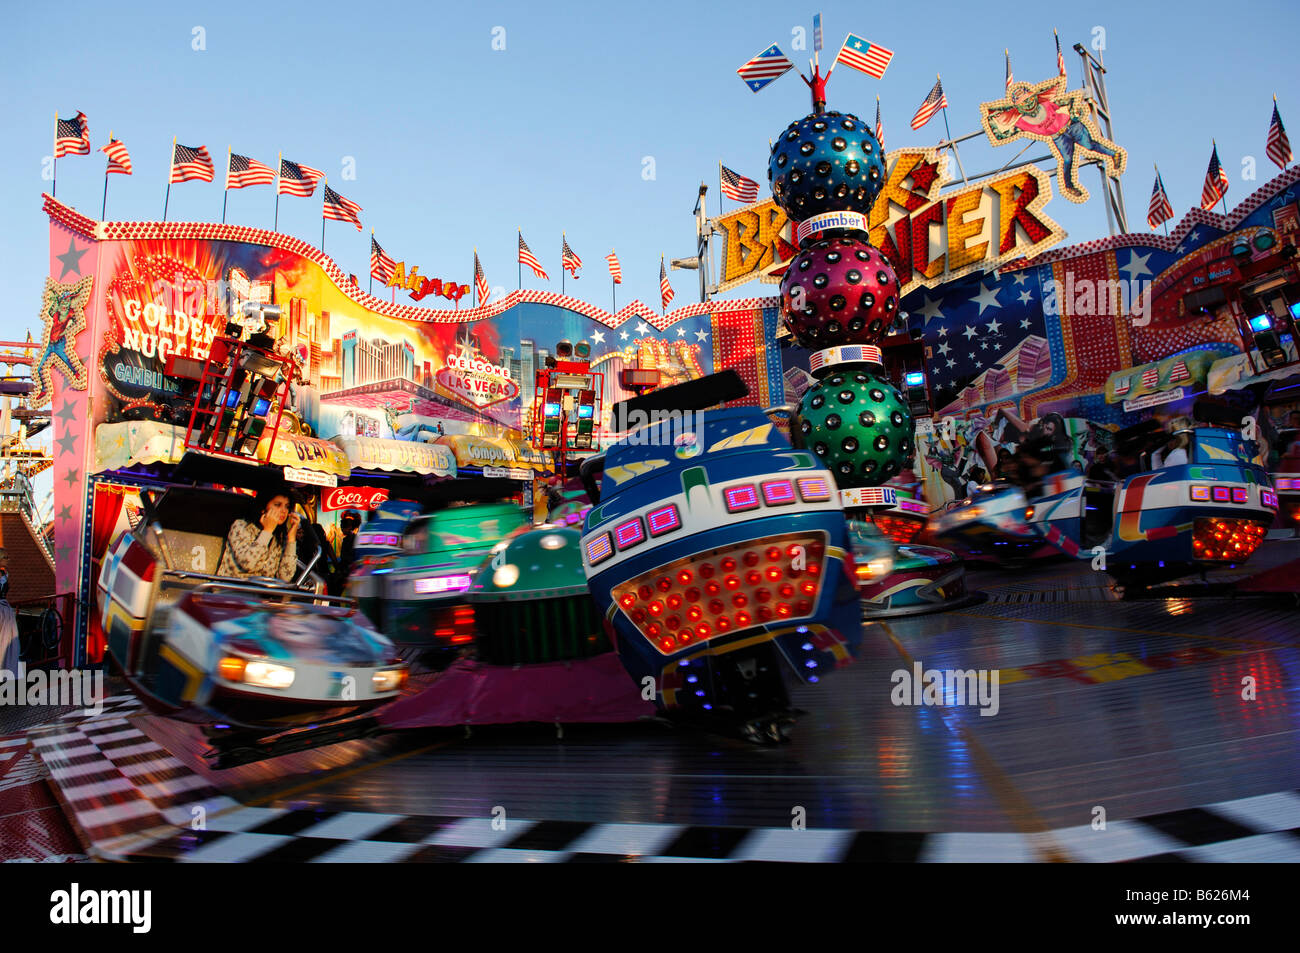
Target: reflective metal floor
[{"x": 1135, "y": 707}]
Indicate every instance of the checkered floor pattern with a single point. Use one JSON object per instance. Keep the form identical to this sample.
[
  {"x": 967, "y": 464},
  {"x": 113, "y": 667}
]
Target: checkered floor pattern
[{"x": 132, "y": 800}]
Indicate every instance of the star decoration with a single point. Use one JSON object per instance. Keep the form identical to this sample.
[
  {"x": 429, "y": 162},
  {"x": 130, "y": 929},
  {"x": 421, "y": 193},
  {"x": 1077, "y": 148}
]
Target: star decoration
[
  {"x": 642, "y": 327},
  {"x": 1137, "y": 264},
  {"x": 622, "y": 335},
  {"x": 68, "y": 442},
  {"x": 72, "y": 259},
  {"x": 944, "y": 348},
  {"x": 62, "y": 553},
  {"x": 65, "y": 513},
  {"x": 72, "y": 476},
  {"x": 68, "y": 412},
  {"x": 951, "y": 362},
  {"x": 1026, "y": 296},
  {"x": 681, "y": 332},
  {"x": 1180, "y": 249},
  {"x": 984, "y": 345},
  {"x": 923, "y": 175},
  {"x": 969, "y": 333},
  {"x": 993, "y": 326},
  {"x": 930, "y": 309},
  {"x": 701, "y": 335},
  {"x": 598, "y": 337},
  {"x": 1024, "y": 323},
  {"x": 987, "y": 298},
  {"x": 1020, "y": 277},
  {"x": 943, "y": 332}
]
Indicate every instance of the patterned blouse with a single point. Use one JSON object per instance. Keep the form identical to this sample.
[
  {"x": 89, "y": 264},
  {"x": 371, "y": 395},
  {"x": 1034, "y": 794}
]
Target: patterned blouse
[{"x": 252, "y": 551}]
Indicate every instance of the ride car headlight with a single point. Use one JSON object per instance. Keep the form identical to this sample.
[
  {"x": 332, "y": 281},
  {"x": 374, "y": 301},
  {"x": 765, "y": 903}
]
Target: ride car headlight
[
  {"x": 506, "y": 576},
  {"x": 268, "y": 675},
  {"x": 389, "y": 680},
  {"x": 876, "y": 568}
]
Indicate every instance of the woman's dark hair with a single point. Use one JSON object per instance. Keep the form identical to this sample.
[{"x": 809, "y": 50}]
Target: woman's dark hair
[{"x": 261, "y": 502}]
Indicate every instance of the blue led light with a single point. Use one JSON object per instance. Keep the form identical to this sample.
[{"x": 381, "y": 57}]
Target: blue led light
[
  {"x": 585, "y": 410},
  {"x": 810, "y": 663},
  {"x": 708, "y": 708},
  {"x": 699, "y": 693},
  {"x": 1261, "y": 322},
  {"x": 914, "y": 379},
  {"x": 802, "y": 629},
  {"x": 692, "y": 679},
  {"x": 807, "y": 646},
  {"x": 812, "y": 679}
]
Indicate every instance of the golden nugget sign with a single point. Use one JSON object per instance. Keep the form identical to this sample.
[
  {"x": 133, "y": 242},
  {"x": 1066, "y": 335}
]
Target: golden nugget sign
[{"x": 928, "y": 238}]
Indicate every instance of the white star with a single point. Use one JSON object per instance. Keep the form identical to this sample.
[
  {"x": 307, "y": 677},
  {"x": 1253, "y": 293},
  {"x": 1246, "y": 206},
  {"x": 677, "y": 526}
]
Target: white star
[
  {"x": 951, "y": 362},
  {"x": 681, "y": 332},
  {"x": 944, "y": 348},
  {"x": 642, "y": 327},
  {"x": 1180, "y": 249},
  {"x": 993, "y": 326},
  {"x": 1192, "y": 236},
  {"x": 987, "y": 298},
  {"x": 984, "y": 345},
  {"x": 622, "y": 335},
  {"x": 1026, "y": 297},
  {"x": 599, "y": 337},
  {"x": 1137, "y": 264},
  {"x": 1020, "y": 277},
  {"x": 701, "y": 335},
  {"x": 1024, "y": 323},
  {"x": 970, "y": 356},
  {"x": 943, "y": 332},
  {"x": 978, "y": 365},
  {"x": 930, "y": 310},
  {"x": 969, "y": 333}
]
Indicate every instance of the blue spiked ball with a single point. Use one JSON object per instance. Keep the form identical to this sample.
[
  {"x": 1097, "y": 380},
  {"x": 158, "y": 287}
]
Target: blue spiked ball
[{"x": 826, "y": 163}]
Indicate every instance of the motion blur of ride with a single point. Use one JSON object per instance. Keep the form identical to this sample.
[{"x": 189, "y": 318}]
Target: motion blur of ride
[
  {"x": 720, "y": 558},
  {"x": 1209, "y": 506},
  {"x": 241, "y": 655}
]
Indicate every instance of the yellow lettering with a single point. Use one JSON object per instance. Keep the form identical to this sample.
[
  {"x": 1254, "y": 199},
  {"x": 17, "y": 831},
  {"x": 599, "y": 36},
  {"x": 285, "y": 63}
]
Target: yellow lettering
[
  {"x": 960, "y": 232},
  {"x": 398, "y": 280}
]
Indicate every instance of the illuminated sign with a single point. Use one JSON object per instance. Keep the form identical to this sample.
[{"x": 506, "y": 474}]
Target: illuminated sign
[
  {"x": 353, "y": 498},
  {"x": 480, "y": 382},
  {"x": 928, "y": 238},
  {"x": 421, "y": 287}
]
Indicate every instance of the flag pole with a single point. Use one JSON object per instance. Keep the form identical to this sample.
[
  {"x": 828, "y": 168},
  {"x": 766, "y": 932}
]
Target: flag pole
[
  {"x": 103, "y": 209},
  {"x": 372, "y": 267},
  {"x": 54, "y": 173},
  {"x": 1165, "y": 223},
  {"x": 951, "y": 145},
  {"x": 279, "y": 164},
  {"x": 563, "y": 239},
  {"x": 325, "y": 185},
  {"x": 719, "y": 187},
  {"x": 519, "y": 261},
  {"x": 170, "y": 165},
  {"x": 225, "y": 196}
]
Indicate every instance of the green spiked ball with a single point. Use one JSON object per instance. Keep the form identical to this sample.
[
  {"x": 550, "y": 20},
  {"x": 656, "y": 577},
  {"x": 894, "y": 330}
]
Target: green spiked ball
[{"x": 858, "y": 425}]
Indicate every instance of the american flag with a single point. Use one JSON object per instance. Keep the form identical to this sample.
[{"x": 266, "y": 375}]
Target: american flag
[
  {"x": 1060, "y": 60},
  {"x": 615, "y": 269},
  {"x": 1216, "y": 181},
  {"x": 341, "y": 209},
  {"x": 480, "y": 282},
  {"x": 244, "y": 171},
  {"x": 192, "y": 162},
  {"x": 382, "y": 265},
  {"x": 738, "y": 188},
  {"x": 119, "y": 160},
  {"x": 1160, "y": 209},
  {"x": 1151, "y": 377},
  {"x": 1179, "y": 374},
  {"x": 765, "y": 67},
  {"x": 569, "y": 260},
  {"x": 880, "y": 127},
  {"x": 72, "y": 136},
  {"x": 1279, "y": 146},
  {"x": 817, "y": 32},
  {"x": 864, "y": 55},
  {"x": 298, "y": 179},
  {"x": 526, "y": 257},
  {"x": 1010, "y": 78},
  {"x": 933, "y": 103},
  {"x": 666, "y": 292}
]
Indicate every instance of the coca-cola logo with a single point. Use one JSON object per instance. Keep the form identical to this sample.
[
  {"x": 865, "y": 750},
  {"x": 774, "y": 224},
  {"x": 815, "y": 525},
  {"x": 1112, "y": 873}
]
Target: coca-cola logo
[{"x": 353, "y": 498}]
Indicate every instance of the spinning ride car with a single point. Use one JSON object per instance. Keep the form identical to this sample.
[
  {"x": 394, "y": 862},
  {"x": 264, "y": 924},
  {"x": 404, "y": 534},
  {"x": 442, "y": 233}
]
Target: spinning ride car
[
  {"x": 260, "y": 654},
  {"x": 719, "y": 557},
  {"x": 1159, "y": 524}
]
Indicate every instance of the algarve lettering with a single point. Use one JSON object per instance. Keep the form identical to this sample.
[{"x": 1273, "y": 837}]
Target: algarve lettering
[
  {"x": 420, "y": 286},
  {"x": 929, "y": 238}
]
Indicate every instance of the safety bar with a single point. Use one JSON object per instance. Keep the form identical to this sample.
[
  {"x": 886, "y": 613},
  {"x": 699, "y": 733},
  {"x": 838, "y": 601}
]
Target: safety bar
[
  {"x": 296, "y": 595},
  {"x": 588, "y": 470}
]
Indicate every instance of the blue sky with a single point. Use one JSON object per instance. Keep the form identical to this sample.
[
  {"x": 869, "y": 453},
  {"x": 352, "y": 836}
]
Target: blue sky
[{"x": 456, "y": 144}]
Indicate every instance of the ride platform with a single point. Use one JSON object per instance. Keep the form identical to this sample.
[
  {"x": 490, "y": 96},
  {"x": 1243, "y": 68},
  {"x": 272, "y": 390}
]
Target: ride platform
[{"x": 1170, "y": 717}]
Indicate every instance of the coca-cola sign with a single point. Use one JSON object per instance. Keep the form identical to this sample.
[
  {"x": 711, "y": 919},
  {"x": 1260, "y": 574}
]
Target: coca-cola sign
[{"x": 353, "y": 498}]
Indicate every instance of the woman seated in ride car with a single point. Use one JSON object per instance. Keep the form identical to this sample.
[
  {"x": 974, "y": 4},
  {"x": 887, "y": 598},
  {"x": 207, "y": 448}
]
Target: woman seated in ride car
[
  {"x": 1175, "y": 452},
  {"x": 265, "y": 546}
]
